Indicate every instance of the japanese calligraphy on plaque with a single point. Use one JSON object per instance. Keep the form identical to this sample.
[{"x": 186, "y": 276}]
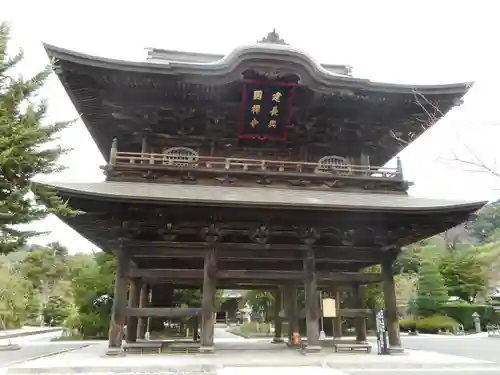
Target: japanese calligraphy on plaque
[{"x": 265, "y": 110}]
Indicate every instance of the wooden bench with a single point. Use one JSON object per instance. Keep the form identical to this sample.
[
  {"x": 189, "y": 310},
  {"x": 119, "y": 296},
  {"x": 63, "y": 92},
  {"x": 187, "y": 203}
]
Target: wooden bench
[
  {"x": 351, "y": 347},
  {"x": 147, "y": 346},
  {"x": 183, "y": 347}
]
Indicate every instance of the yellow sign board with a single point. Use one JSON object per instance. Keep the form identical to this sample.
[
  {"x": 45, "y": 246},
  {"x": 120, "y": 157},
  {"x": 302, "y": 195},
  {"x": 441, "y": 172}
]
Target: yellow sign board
[{"x": 329, "y": 310}]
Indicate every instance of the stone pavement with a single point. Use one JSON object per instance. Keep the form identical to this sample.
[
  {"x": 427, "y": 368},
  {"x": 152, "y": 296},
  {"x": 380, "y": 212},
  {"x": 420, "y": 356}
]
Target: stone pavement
[
  {"x": 29, "y": 347},
  {"x": 244, "y": 356}
]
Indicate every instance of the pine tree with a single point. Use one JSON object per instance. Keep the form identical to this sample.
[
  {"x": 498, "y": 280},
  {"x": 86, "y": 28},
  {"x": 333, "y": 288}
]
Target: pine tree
[
  {"x": 25, "y": 151},
  {"x": 431, "y": 292}
]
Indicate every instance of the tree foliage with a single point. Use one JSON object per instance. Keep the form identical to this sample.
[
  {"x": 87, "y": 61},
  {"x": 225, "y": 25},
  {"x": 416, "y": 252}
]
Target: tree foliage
[
  {"x": 27, "y": 149},
  {"x": 431, "y": 290},
  {"x": 464, "y": 274},
  {"x": 260, "y": 302},
  {"x": 15, "y": 292},
  {"x": 486, "y": 222}
]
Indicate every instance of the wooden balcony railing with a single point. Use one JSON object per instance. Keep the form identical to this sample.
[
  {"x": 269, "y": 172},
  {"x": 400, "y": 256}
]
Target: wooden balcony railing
[{"x": 183, "y": 158}]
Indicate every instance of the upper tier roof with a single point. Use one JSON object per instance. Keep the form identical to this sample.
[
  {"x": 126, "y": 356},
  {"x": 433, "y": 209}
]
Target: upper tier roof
[
  {"x": 280, "y": 58},
  {"x": 121, "y": 98}
]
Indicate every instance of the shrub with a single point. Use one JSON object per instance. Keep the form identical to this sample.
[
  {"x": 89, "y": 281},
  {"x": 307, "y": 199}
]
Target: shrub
[
  {"x": 435, "y": 323},
  {"x": 496, "y": 317},
  {"x": 462, "y": 312},
  {"x": 407, "y": 325}
]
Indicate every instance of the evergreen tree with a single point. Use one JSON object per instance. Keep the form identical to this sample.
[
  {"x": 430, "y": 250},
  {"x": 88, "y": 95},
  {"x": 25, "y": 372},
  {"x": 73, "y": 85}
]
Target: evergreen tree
[
  {"x": 431, "y": 292},
  {"x": 26, "y": 150}
]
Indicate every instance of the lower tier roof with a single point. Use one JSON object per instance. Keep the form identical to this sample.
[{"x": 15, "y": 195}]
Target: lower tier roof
[{"x": 260, "y": 197}]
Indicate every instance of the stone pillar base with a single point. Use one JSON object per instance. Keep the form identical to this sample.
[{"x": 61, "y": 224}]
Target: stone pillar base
[
  {"x": 277, "y": 340},
  {"x": 396, "y": 350},
  {"x": 206, "y": 349},
  {"x": 115, "y": 352},
  {"x": 312, "y": 349},
  {"x": 9, "y": 347}
]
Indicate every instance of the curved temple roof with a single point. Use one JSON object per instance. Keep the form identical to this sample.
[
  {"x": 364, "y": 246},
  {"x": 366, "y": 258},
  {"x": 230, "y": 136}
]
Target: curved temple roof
[
  {"x": 263, "y": 197},
  {"x": 348, "y": 116},
  {"x": 271, "y": 54}
]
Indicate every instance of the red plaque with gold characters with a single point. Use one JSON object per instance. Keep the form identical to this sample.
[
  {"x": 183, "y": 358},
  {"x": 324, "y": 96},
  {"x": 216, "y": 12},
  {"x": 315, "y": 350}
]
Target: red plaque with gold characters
[{"x": 265, "y": 110}]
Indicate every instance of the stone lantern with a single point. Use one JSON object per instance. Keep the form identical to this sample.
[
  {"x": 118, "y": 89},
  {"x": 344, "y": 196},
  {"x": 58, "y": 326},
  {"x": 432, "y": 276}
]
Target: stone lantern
[{"x": 477, "y": 322}]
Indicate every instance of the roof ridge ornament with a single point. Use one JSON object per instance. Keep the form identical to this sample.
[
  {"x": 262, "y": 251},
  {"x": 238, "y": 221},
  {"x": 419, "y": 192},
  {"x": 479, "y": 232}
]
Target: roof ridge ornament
[{"x": 272, "y": 38}]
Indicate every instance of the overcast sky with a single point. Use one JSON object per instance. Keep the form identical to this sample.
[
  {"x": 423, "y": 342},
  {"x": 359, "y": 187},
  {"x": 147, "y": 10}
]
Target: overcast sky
[{"x": 416, "y": 42}]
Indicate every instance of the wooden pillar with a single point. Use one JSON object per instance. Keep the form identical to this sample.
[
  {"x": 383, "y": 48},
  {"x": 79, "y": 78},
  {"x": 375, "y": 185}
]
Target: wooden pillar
[
  {"x": 337, "y": 321},
  {"x": 391, "y": 307},
  {"x": 143, "y": 302},
  {"x": 311, "y": 297},
  {"x": 360, "y": 321},
  {"x": 119, "y": 303},
  {"x": 133, "y": 301},
  {"x": 208, "y": 302},
  {"x": 278, "y": 326},
  {"x": 196, "y": 337},
  {"x": 144, "y": 144},
  {"x": 290, "y": 292}
]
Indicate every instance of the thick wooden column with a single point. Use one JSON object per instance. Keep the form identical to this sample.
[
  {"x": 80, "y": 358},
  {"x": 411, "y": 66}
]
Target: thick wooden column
[
  {"x": 196, "y": 337},
  {"x": 311, "y": 297},
  {"x": 337, "y": 321},
  {"x": 290, "y": 292},
  {"x": 208, "y": 301},
  {"x": 143, "y": 302},
  {"x": 391, "y": 307},
  {"x": 133, "y": 301},
  {"x": 119, "y": 304},
  {"x": 360, "y": 321},
  {"x": 278, "y": 326}
]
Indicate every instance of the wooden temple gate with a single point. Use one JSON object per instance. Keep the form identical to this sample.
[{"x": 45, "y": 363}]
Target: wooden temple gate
[
  {"x": 262, "y": 169},
  {"x": 310, "y": 279}
]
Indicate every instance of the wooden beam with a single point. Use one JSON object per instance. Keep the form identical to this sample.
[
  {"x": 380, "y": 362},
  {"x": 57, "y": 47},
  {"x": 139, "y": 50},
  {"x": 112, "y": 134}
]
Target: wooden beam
[
  {"x": 133, "y": 245},
  {"x": 254, "y": 275},
  {"x": 249, "y": 285},
  {"x": 249, "y": 264},
  {"x": 162, "y": 312},
  {"x": 322, "y": 254},
  {"x": 354, "y": 313}
]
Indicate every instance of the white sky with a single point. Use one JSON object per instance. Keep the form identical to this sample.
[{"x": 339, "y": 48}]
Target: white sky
[{"x": 419, "y": 42}]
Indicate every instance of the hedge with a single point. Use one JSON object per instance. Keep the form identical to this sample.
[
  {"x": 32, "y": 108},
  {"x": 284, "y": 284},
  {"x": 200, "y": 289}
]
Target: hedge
[
  {"x": 431, "y": 324},
  {"x": 462, "y": 312},
  {"x": 434, "y": 323},
  {"x": 407, "y": 325}
]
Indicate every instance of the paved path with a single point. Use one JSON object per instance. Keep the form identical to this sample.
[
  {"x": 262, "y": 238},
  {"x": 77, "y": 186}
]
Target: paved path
[
  {"x": 33, "y": 346},
  {"x": 221, "y": 334},
  {"x": 281, "y": 361},
  {"x": 478, "y": 347},
  {"x": 239, "y": 360}
]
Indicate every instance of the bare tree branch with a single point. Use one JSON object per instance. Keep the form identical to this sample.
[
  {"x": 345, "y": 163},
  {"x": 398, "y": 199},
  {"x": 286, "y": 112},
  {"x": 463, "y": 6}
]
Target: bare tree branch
[{"x": 433, "y": 114}]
